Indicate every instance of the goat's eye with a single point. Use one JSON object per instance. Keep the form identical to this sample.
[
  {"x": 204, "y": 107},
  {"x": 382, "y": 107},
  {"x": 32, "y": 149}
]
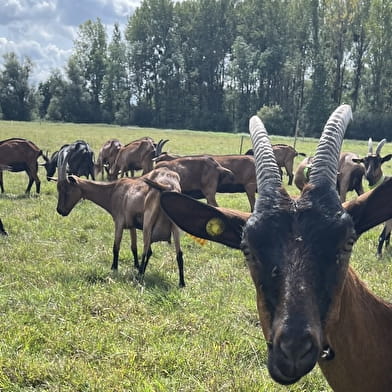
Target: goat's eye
[{"x": 348, "y": 246}]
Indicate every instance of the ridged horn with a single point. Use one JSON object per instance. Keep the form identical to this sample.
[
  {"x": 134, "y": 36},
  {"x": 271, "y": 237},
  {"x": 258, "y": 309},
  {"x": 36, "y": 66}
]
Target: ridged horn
[
  {"x": 62, "y": 161},
  {"x": 267, "y": 170},
  {"x": 370, "y": 146},
  {"x": 379, "y": 146},
  {"x": 326, "y": 159}
]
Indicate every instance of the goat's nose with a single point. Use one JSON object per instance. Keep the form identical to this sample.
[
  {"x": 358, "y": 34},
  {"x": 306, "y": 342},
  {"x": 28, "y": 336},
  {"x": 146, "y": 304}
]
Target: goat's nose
[{"x": 294, "y": 355}]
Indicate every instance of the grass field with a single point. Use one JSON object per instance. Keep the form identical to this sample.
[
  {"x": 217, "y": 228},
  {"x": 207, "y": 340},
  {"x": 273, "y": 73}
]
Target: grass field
[{"x": 69, "y": 324}]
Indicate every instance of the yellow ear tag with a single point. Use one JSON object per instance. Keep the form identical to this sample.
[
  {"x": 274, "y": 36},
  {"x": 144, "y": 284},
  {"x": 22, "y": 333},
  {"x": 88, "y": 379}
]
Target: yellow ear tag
[{"x": 214, "y": 227}]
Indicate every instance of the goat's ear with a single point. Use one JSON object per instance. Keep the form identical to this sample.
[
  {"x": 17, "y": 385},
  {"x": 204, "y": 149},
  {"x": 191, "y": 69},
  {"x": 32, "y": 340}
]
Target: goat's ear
[
  {"x": 386, "y": 158},
  {"x": 371, "y": 208},
  {"x": 358, "y": 160},
  {"x": 51, "y": 178},
  {"x": 204, "y": 221},
  {"x": 72, "y": 179}
]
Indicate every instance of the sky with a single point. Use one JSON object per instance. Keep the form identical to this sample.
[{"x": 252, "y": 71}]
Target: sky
[{"x": 44, "y": 30}]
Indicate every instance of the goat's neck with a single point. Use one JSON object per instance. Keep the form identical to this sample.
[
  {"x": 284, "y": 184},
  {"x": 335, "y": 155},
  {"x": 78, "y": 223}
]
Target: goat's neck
[
  {"x": 98, "y": 192},
  {"x": 362, "y": 341}
]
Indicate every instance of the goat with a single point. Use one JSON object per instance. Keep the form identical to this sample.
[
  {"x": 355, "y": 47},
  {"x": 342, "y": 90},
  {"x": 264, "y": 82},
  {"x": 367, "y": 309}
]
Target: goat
[
  {"x": 80, "y": 160},
  {"x": 349, "y": 176},
  {"x": 107, "y": 156},
  {"x": 2, "y": 230},
  {"x": 284, "y": 155},
  {"x": 137, "y": 155},
  {"x": 133, "y": 204},
  {"x": 199, "y": 174},
  {"x": 17, "y": 154},
  {"x": 242, "y": 167},
  {"x": 374, "y": 175},
  {"x": 384, "y": 237},
  {"x": 311, "y": 304}
]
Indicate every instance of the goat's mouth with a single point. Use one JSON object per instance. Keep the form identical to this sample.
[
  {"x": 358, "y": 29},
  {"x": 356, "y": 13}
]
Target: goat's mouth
[
  {"x": 62, "y": 212},
  {"x": 287, "y": 367}
]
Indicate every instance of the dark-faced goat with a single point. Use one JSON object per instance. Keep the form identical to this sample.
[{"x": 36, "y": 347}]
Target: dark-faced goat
[
  {"x": 17, "y": 154},
  {"x": 374, "y": 174},
  {"x": 312, "y": 306},
  {"x": 133, "y": 204},
  {"x": 79, "y": 157}
]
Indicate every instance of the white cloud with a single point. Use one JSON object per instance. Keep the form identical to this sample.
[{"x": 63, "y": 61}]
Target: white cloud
[{"x": 44, "y": 30}]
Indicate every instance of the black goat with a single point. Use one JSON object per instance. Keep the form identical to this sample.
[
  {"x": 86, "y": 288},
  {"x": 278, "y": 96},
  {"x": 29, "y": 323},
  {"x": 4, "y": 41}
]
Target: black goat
[{"x": 80, "y": 160}]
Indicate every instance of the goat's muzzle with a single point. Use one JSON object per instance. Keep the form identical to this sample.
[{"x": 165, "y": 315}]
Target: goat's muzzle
[
  {"x": 62, "y": 212},
  {"x": 291, "y": 356}
]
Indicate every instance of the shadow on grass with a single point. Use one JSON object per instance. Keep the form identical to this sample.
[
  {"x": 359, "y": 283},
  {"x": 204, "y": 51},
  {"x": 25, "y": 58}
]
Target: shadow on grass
[
  {"x": 13, "y": 196},
  {"x": 151, "y": 280}
]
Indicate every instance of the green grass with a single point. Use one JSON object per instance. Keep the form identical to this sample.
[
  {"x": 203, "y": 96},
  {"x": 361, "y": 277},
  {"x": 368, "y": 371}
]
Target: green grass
[{"x": 69, "y": 324}]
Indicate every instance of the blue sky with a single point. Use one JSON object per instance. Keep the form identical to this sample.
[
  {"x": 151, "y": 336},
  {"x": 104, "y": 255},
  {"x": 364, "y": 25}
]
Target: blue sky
[{"x": 44, "y": 30}]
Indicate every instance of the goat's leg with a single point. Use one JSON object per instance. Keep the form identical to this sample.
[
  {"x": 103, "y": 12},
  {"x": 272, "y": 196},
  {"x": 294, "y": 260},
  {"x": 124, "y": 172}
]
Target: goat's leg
[
  {"x": 1, "y": 181},
  {"x": 134, "y": 247},
  {"x": 180, "y": 260},
  {"x": 33, "y": 177},
  {"x": 116, "y": 246},
  {"x": 250, "y": 190},
  {"x": 145, "y": 258},
  {"x": 381, "y": 240}
]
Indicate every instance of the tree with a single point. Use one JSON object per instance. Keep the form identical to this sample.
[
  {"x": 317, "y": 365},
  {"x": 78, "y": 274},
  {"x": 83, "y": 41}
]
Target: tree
[
  {"x": 90, "y": 51},
  {"x": 16, "y": 96}
]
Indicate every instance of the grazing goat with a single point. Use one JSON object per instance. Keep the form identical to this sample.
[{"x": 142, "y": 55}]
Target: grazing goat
[
  {"x": 2, "y": 230},
  {"x": 311, "y": 304},
  {"x": 284, "y": 155},
  {"x": 349, "y": 176},
  {"x": 133, "y": 204},
  {"x": 374, "y": 175},
  {"x": 243, "y": 169},
  {"x": 199, "y": 174},
  {"x": 137, "y": 155},
  {"x": 107, "y": 156},
  {"x": 80, "y": 160},
  {"x": 17, "y": 154}
]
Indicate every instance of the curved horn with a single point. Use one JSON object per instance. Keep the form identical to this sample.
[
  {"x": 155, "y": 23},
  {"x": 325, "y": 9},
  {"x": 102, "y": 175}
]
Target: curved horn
[
  {"x": 267, "y": 170},
  {"x": 62, "y": 161},
  {"x": 370, "y": 146},
  {"x": 158, "y": 150},
  {"x": 380, "y": 145},
  {"x": 326, "y": 159}
]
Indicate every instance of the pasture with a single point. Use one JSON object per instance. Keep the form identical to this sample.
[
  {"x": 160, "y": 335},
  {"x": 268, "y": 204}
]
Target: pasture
[{"x": 70, "y": 324}]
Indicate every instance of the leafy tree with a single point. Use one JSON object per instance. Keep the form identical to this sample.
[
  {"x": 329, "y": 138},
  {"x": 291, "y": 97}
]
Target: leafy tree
[
  {"x": 16, "y": 96},
  {"x": 90, "y": 51}
]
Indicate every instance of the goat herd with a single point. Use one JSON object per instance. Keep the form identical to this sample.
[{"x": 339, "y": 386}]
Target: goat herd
[{"x": 312, "y": 306}]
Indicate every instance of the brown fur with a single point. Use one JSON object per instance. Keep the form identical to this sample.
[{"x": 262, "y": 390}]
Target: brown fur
[
  {"x": 19, "y": 154},
  {"x": 359, "y": 323}
]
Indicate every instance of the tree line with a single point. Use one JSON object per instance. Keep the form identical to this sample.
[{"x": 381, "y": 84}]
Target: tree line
[{"x": 211, "y": 64}]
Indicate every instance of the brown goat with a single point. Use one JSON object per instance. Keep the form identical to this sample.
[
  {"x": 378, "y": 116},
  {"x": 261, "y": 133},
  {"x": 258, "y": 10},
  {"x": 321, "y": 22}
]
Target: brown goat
[
  {"x": 349, "y": 176},
  {"x": 374, "y": 174},
  {"x": 312, "y": 306},
  {"x": 17, "y": 154},
  {"x": 107, "y": 156},
  {"x": 198, "y": 174},
  {"x": 243, "y": 169},
  {"x": 284, "y": 155},
  {"x": 133, "y": 204},
  {"x": 137, "y": 155}
]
